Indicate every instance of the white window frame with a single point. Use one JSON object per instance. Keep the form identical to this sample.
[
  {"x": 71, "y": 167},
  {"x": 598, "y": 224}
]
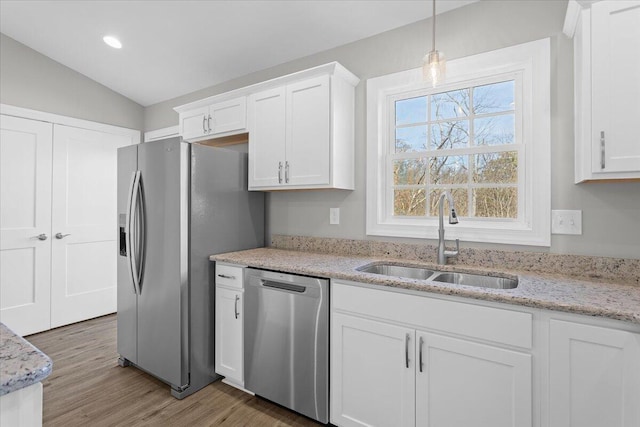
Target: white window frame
[{"x": 530, "y": 64}]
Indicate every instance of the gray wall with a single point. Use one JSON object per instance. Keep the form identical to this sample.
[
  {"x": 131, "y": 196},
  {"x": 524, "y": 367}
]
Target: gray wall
[
  {"x": 31, "y": 80},
  {"x": 611, "y": 212}
]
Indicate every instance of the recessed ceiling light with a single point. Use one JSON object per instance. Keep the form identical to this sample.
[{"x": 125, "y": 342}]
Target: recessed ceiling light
[{"x": 112, "y": 41}]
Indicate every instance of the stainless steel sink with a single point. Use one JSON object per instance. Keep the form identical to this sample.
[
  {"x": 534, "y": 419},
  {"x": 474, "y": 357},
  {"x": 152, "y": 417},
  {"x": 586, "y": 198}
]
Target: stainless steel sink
[
  {"x": 476, "y": 280},
  {"x": 398, "y": 271},
  {"x": 420, "y": 273}
]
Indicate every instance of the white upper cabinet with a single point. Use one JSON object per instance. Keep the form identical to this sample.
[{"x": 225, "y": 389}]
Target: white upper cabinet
[
  {"x": 289, "y": 135},
  {"x": 267, "y": 112},
  {"x": 300, "y": 126},
  {"x": 301, "y": 131},
  {"x": 607, "y": 89},
  {"x": 308, "y": 132},
  {"x": 214, "y": 119}
]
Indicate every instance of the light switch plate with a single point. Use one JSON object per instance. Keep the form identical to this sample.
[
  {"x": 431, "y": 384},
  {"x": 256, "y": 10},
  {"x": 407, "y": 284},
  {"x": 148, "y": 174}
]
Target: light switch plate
[
  {"x": 566, "y": 222},
  {"x": 334, "y": 216}
]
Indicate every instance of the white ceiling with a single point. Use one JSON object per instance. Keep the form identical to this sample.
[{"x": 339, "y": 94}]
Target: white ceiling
[{"x": 171, "y": 48}]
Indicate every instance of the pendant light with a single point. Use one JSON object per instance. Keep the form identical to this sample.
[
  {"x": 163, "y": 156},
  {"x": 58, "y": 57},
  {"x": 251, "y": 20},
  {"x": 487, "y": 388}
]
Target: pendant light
[{"x": 433, "y": 63}]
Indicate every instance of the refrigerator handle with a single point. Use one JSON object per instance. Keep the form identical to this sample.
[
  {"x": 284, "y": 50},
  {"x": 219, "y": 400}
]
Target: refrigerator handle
[
  {"x": 127, "y": 226},
  {"x": 131, "y": 222},
  {"x": 141, "y": 234}
]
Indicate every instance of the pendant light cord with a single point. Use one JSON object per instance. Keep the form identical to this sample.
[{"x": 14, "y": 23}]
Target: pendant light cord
[{"x": 433, "y": 39}]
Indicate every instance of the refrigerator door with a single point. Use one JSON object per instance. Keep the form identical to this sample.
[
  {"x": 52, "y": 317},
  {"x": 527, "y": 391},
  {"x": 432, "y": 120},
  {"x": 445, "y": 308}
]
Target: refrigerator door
[
  {"x": 127, "y": 308},
  {"x": 225, "y": 217},
  {"x": 163, "y": 311}
]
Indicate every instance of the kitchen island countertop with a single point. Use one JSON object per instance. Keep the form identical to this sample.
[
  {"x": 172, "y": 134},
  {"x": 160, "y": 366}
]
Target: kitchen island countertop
[
  {"x": 545, "y": 291},
  {"x": 21, "y": 364}
]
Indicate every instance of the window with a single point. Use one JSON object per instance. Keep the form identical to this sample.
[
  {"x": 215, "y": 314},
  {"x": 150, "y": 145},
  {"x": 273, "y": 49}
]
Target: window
[{"x": 484, "y": 136}]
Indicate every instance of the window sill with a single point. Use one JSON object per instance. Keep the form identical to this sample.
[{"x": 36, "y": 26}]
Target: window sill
[{"x": 513, "y": 233}]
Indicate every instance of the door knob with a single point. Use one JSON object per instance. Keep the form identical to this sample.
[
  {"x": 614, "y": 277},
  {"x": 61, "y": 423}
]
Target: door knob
[
  {"x": 61, "y": 236},
  {"x": 40, "y": 237}
]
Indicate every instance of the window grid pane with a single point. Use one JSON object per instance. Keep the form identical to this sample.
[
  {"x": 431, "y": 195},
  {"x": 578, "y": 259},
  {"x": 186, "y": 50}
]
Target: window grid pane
[{"x": 485, "y": 184}]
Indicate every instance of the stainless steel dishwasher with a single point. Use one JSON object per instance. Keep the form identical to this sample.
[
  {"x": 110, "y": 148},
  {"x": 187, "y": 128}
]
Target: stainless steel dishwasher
[{"x": 286, "y": 341}]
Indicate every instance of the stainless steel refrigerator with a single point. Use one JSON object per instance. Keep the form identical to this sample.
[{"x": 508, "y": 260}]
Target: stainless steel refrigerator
[{"x": 178, "y": 203}]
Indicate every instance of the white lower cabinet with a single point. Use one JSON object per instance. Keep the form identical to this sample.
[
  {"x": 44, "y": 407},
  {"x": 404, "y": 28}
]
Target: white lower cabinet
[
  {"x": 418, "y": 359},
  {"x": 229, "y": 352},
  {"x": 371, "y": 383},
  {"x": 463, "y": 383},
  {"x": 594, "y": 376},
  {"x": 391, "y": 372},
  {"x": 23, "y": 407}
]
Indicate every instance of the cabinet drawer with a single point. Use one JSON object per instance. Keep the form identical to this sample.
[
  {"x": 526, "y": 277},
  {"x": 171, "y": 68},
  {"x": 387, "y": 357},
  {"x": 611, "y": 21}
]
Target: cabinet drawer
[
  {"x": 467, "y": 319},
  {"x": 228, "y": 275}
]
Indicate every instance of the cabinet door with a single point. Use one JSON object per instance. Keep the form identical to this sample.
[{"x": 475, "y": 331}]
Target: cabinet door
[
  {"x": 594, "y": 376},
  {"x": 371, "y": 384},
  {"x": 229, "y": 116},
  {"x": 194, "y": 123},
  {"x": 229, "y": 334},
  {"x": 25, "y": 213},
  {"x": 84, "y": 213},
  {"x": 615, "y": 45},
  {"x": 267, "y": 138},
  {"x": 308, "y": 132},
  {"x": 461, "y": 383}
]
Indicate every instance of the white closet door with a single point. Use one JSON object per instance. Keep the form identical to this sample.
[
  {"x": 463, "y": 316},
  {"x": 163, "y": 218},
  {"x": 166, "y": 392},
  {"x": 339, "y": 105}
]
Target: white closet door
[
  {"x": 25, "y": 212},
  {"x": 83, "y": 271}
]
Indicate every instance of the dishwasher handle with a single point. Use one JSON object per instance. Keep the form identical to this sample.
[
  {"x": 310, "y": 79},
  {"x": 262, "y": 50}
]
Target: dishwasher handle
[{"x": 288, "y": 287}]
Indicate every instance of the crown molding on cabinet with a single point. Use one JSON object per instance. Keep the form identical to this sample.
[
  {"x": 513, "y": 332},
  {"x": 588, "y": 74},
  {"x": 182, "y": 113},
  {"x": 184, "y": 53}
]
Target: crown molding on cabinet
[
  {"x": 574, "y": 7},
  {"x": 330, "y": 68}
]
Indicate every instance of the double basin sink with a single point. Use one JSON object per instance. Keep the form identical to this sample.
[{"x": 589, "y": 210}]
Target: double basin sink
[{"x": 419, "y": 273}]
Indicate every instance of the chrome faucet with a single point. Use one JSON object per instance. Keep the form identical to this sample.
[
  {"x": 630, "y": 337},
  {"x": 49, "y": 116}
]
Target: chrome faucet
[{"x": 444, "y": 254}]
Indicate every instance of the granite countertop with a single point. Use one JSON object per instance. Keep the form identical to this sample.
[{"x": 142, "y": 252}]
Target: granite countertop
[
  {"x": 21, "y": 364},
  {"x": 546, "y": 291}
]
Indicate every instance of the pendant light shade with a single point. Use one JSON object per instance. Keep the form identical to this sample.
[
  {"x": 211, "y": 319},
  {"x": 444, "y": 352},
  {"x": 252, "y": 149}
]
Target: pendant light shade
[
  {"x": 434, "y": 64},
  {"x": 434, "y": 67}
]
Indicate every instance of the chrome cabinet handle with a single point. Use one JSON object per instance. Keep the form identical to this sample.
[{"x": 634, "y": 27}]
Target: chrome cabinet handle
[
  {"x": 40, "y": 237},
  {"x": 204, "y": 120},
  {"x": 209, "y": 122},
  {"x": 279, "y": 172},
  {"x": 235, "y": 308},
  {"x": 224, "y": 276},
  {"x": 286, "y": 172},
  {"x": 602, "y": 164},
  {"x": 420, "y": 345},
  {"x": 406, "y": 350},
  {"x": 62, "y": 236}
]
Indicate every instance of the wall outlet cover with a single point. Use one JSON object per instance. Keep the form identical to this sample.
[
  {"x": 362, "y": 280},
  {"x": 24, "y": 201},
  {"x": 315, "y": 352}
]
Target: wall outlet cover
[
  {"x": 566, "y": 222},
  {"x": 334, "y": 216}
]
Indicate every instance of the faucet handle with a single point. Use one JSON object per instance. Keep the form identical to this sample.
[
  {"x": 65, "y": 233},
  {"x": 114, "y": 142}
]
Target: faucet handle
[{"x": 453, "y": 254}]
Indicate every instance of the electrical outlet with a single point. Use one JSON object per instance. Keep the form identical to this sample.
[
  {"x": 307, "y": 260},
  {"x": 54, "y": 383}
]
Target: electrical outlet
[
  {"x": 566, "y": 222},
  {"x": 334, "y": 216}
]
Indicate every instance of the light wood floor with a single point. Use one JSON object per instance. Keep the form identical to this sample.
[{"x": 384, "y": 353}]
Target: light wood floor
[{"x": 88, "y": 388}]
